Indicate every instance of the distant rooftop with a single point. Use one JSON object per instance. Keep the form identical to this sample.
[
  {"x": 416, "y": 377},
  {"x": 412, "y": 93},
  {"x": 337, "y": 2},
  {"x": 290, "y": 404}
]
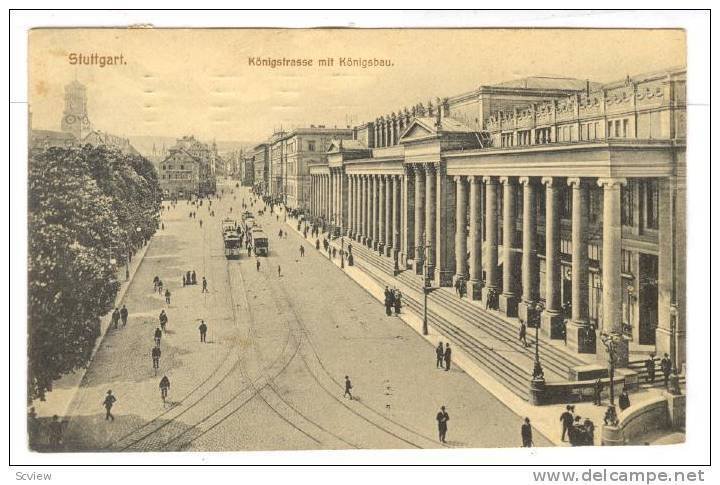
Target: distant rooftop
[{"x": 549, "y": 82}]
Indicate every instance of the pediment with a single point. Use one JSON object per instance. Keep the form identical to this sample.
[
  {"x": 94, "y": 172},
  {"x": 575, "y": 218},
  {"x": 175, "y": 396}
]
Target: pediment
[{"x": 416, "y": 130}]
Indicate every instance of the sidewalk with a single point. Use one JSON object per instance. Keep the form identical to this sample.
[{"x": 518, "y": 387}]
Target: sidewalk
[
  {"x": 545, "y": 419},
  {"x": 59, "y": 400}
]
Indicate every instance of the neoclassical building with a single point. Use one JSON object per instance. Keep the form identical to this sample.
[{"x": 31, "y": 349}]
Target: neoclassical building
[{"x": 558, "y": 192}]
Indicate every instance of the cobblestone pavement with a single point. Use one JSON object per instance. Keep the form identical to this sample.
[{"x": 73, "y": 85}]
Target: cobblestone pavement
[{"x": 271, "y": 375}]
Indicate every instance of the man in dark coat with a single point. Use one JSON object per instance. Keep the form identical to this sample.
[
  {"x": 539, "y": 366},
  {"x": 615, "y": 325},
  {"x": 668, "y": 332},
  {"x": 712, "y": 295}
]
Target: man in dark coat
[
  {"x": 158, "y": 335},
  {"x": 164, "y": 386},
  {"x": 442, "y": 418},
  {"x": 203, "y": 331},
  {"x": 163, "y": 320},
  {"x": 108, "y": 403},
  {"x": 666, "y": 366},
  {"x": 597, "y": 392},
  {"x": 115, "y": 318},
  {"x": 448, "y": 354},
  {"x": 440, "y": 355},
  {"x": 650, "y": 368},
  {"x": 155, "y": 353},
  {"x": 566, "y": 419},
  {"x": 526, "y": 434},
  {"x": 124, "y": 315}
]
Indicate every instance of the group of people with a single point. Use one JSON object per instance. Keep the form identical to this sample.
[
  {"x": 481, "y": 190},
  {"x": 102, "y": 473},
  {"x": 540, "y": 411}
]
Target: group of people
[
  {"x": 443, "y": 356},
  {"x": 665, "y": 368},
  {"x": 189, "y": 278},
  {"x": 578, "y": 432},
  {"x": 118, "y": 315},
  {"x": 393, "y": 300}
]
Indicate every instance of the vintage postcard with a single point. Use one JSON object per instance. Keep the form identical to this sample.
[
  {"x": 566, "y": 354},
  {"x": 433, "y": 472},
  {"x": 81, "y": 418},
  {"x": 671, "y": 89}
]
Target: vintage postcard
[{"x": 342, "y": 239}]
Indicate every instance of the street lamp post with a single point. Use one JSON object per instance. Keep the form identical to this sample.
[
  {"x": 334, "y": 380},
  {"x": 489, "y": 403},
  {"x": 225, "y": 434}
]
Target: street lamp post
[
  {"x": 538, "y": 373},
  {"x": 342, "y": 252},
  {"x": 427, "y": 287},
  {"x": 674, "y": 380}
]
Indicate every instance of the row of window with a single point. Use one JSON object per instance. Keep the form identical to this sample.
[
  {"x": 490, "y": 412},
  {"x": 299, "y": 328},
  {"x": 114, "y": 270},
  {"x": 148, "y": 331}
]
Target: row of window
[{"x": 617, "y": 128}]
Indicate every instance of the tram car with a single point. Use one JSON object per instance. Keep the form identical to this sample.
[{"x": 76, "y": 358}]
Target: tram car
[
  {"x": 260, "y": 242},
  {"x": 233, "y": 244}
]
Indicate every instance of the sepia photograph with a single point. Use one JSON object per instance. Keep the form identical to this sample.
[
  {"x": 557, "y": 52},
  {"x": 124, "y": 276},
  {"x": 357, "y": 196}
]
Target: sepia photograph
[{"x": 305, "y": 239}]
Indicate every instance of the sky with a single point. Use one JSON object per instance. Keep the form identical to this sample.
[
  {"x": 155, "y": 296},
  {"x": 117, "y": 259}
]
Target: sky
[{"x": 199, "y": 81}]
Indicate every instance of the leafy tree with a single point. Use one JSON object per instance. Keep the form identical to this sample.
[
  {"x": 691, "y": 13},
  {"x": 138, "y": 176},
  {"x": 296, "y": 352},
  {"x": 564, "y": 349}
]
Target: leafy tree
[{"x": 84, "y": 207}]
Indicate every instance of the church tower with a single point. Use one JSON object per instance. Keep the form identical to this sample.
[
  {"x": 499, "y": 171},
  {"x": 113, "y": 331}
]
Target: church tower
[{"x": 75, "y": 118}]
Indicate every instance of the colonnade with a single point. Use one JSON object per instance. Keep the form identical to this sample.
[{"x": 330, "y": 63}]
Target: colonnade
[{"x": 435, "y": 223}]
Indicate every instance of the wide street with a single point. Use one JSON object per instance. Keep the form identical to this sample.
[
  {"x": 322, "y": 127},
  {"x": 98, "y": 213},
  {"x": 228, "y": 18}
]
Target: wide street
[{"x": 271, "y": 374}]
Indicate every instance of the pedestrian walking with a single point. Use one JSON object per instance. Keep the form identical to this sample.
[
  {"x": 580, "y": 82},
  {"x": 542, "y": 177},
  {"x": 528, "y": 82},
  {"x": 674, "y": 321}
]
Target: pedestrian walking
[
  {"x": 155, "y": 353},
  {"x": 442, "y": 419},
  {"x": 200, "y": 223},
  {"x": 257, "y": 264},
  {"x": 526, "y": 434},
  {"x": 157, "y": 336},
  {"x": 279, "y": 271},
  {"x": 163, "y": 320},
  {"x": 162, "y": 226},
  {"x": 388, "y": 301},
  {"x": 440, "y": 355},
  {"x": 348, "y": 387},
  {"x": 397, "y": 301},
  {"x": 448, "y": 354},
  {"x": 302, "y": 251},
  {"x": 55, "y": 432},
  {"x": 204, "y": 285},
  {"x": 164, "y": 387},
  {"x": 203, "y": 331},
  {"x": 566, "y": 418},
  {"x": 650, "y": 368},
  {"x": 523, "y": 335},
  {"x": 156, "y": 280},
  {"x": 108, "y": 403},
  {"x": 160, "y": 287},
  {"x": 167, "y": 296},
  {"x": 124, "y": 315},
  {"x": 115, "y": 318},
  {"x": 597, "y": 392},
  {"x": 666, "y": 367}
]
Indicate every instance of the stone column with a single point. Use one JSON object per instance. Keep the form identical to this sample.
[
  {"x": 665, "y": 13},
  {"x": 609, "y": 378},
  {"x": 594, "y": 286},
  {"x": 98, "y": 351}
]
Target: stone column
[
  {"x": 552, "y": 319},
  {"x": 363, "y": 209},
  {"x": 344, "y": 203},
  {"x": 612, "y": 266},
  {"x": 382, "y": 195},
  {"x": 460, "y": 229},
  {"x": 430, "y": 223},
  {"x": 491, "y": 237},
  {"x": 580, "y": 336},
  {"x": 355, "y": 207},
  {"x": 348, "y": 198},
  {"x": 419, "y": 256},
  {"x": 368, "y": 211},
  {"x": 373, "y": 211},
  {"x": 388, "y": 215},
  {"x": 529, "y": 256},
  {"x": 509, "y": 298},
  {"x": 444, "y": 250},
  {"x": 396, "y": 199},
  {"x": 475, "y": 283},
  {"x": 671, "y": 272},
  {"x": 407, "y": 217}
]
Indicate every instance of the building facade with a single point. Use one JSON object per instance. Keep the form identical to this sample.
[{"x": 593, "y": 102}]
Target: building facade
[
  {"x": 553, "y": 192},
  {"x": 188, "y": 169},
  {"x": 292, "y": 153},
  {"x": 261, "y": 159}
]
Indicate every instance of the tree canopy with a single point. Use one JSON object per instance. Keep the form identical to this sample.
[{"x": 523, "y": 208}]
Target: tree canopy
[{"x": 85, "y": 206}]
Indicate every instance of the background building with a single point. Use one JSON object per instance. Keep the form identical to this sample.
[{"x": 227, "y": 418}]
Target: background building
[{"x": 188, "y": 169}]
